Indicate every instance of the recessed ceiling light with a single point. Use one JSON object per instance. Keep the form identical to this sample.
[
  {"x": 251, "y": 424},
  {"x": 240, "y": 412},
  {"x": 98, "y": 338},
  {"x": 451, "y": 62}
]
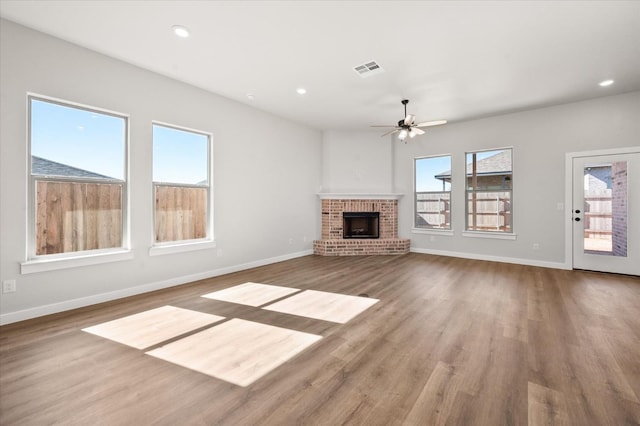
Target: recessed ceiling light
[
  {"x": 605, "y": 83},
  {"x": 301, "y": 90},
  {"x": 251, "y": 96},
  {"x": 180, "y": 31}
]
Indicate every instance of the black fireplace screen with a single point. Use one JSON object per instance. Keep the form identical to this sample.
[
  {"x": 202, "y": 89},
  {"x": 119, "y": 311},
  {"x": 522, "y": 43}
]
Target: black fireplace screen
[{"x": 360, "y": 225}]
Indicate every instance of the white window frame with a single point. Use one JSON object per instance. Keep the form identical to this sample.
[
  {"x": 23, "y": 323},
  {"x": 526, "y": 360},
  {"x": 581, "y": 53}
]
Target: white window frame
[
  {"x": 168, "y": 247},
  {"x": 498, "y": 235},
  {"x": 47, "y": 262},
  {"x": 431, "y": 231}
]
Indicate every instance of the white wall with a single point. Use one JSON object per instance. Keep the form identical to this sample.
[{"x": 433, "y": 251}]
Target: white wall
[
  {"x": 540, "y": 139},
  {"x": 356, "y": 162},
  {"x": 266, "y": 174}
]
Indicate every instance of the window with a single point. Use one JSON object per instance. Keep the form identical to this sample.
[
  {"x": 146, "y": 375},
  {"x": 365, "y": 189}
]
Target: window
[
  {"x": 181, "y": 181},
  {"x": 433, "y": 192},
  {"x": 489, "y": 190},
  {"x": 77, "y": 178}
]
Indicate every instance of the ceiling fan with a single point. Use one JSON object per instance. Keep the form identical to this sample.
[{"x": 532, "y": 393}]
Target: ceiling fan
[{"x": 407, "y": 127}]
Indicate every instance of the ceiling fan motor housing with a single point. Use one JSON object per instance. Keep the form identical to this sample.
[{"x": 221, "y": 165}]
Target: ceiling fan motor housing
[{"x": 408, "y": 127}]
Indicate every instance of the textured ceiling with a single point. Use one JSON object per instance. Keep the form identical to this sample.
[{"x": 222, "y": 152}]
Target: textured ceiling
[{"x": 454, "y": 60}]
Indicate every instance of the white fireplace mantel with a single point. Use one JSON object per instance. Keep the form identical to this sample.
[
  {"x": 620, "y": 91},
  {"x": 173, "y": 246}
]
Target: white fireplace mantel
[{"x": 358, "y": 196}]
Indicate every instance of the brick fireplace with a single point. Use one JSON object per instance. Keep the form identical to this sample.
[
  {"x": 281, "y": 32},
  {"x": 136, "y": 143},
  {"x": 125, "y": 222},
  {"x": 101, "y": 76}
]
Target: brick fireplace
[{"x": 333, "y": 242}]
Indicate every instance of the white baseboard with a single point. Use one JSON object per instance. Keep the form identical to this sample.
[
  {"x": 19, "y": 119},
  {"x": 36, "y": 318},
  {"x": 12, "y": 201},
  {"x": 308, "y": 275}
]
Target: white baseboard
[
  {"x": 81, "y": 302},
  {"x": 518, "y": 261}
]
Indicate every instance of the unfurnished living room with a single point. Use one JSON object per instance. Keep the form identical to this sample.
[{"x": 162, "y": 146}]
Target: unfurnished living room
[{"x": 319, "y": 212}]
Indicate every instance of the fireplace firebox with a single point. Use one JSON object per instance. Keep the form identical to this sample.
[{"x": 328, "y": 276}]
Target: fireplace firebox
[{"x": 361, "y": 225}]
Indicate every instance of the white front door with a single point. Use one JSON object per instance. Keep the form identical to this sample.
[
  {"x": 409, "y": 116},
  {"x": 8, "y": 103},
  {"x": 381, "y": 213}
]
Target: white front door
[{"x": 606, "y": 212}]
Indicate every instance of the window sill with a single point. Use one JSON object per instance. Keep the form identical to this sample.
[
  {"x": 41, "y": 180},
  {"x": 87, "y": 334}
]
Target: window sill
[
  {"x": 181, "y": 247},
  {"x": 448, "y": 232},
  {"x": 44, "y": 264},
  {"x": 490, "y": 235}
]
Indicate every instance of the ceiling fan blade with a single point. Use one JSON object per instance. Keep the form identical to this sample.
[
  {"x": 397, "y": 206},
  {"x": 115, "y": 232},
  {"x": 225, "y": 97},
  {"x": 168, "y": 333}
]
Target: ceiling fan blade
[
  {"x": 431, "y": 123},
  {"x": 390, "y": 132},
  {"x": 417, "y": 131},
  {"x": 409, "y": 119},
  {"x": 382, "y": 126}
]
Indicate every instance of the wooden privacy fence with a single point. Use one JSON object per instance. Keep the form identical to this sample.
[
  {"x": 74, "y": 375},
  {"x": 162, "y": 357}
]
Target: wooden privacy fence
[
  {"x": 77, "y": 216},
  {"x": 492, "y": 211},
  {"x": 181, "y": 213},
  {"x": 598, "y": 214},
  {"x": 433, "y": 209},
  {"x": 73, "y": 216}
]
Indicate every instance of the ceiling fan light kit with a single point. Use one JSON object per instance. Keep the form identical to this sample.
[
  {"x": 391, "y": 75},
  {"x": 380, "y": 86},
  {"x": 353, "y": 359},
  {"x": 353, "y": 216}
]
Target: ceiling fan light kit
[{"x": 407, "y": 127}]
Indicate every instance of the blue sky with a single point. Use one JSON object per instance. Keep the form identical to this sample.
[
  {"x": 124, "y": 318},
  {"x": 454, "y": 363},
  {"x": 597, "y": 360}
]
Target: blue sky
[
  {"x": 427, "y": 168},
  {"x": 79, "y": 138},
  {"x": 179, "y": 156},
  {"x": 95, "y": 142}
]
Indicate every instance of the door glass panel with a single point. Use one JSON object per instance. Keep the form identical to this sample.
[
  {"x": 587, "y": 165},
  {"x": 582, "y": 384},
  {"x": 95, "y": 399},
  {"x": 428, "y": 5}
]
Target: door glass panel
[{"x": 605, "y": 209}]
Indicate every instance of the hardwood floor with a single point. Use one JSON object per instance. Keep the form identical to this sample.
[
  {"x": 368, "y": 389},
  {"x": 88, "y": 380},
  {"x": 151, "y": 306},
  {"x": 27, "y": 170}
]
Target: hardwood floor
[{"x": 452, "y": 341}]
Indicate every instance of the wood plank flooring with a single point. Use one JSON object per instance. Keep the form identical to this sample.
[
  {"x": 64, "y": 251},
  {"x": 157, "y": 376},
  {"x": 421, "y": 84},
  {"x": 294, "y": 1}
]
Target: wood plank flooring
[{"x": 451, "y": 341}]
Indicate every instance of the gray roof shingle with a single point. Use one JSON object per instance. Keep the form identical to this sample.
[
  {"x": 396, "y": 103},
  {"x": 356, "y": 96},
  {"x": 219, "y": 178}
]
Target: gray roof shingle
[
  {"x": 42, "y": 166},
  {"x": 497, "y": 164}
]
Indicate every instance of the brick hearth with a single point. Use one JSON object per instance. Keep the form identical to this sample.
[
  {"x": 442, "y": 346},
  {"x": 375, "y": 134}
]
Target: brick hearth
[{"x": 332, "y": 243}]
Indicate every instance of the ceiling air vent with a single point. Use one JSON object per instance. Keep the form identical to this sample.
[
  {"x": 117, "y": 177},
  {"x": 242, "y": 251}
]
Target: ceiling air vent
[{"x": 368, "y": 69}]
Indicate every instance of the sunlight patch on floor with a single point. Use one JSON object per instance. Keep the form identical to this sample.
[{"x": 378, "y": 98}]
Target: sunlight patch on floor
[
  {"x": 237, "y": 351},
  {"x": 149, "y": 328},
  {"x": 324, "y": 306},
  {"x": 252, "y": 294}
]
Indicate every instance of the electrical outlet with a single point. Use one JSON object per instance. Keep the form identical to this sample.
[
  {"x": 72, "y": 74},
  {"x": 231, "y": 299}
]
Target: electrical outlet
[
  {"x": 560, "y": 206},
  {"x": 9, "y": 286},
  {"x": 304, "y": 239},
  {"x": 535, "y": 246},
  {"x": 219, "y": 252}
]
